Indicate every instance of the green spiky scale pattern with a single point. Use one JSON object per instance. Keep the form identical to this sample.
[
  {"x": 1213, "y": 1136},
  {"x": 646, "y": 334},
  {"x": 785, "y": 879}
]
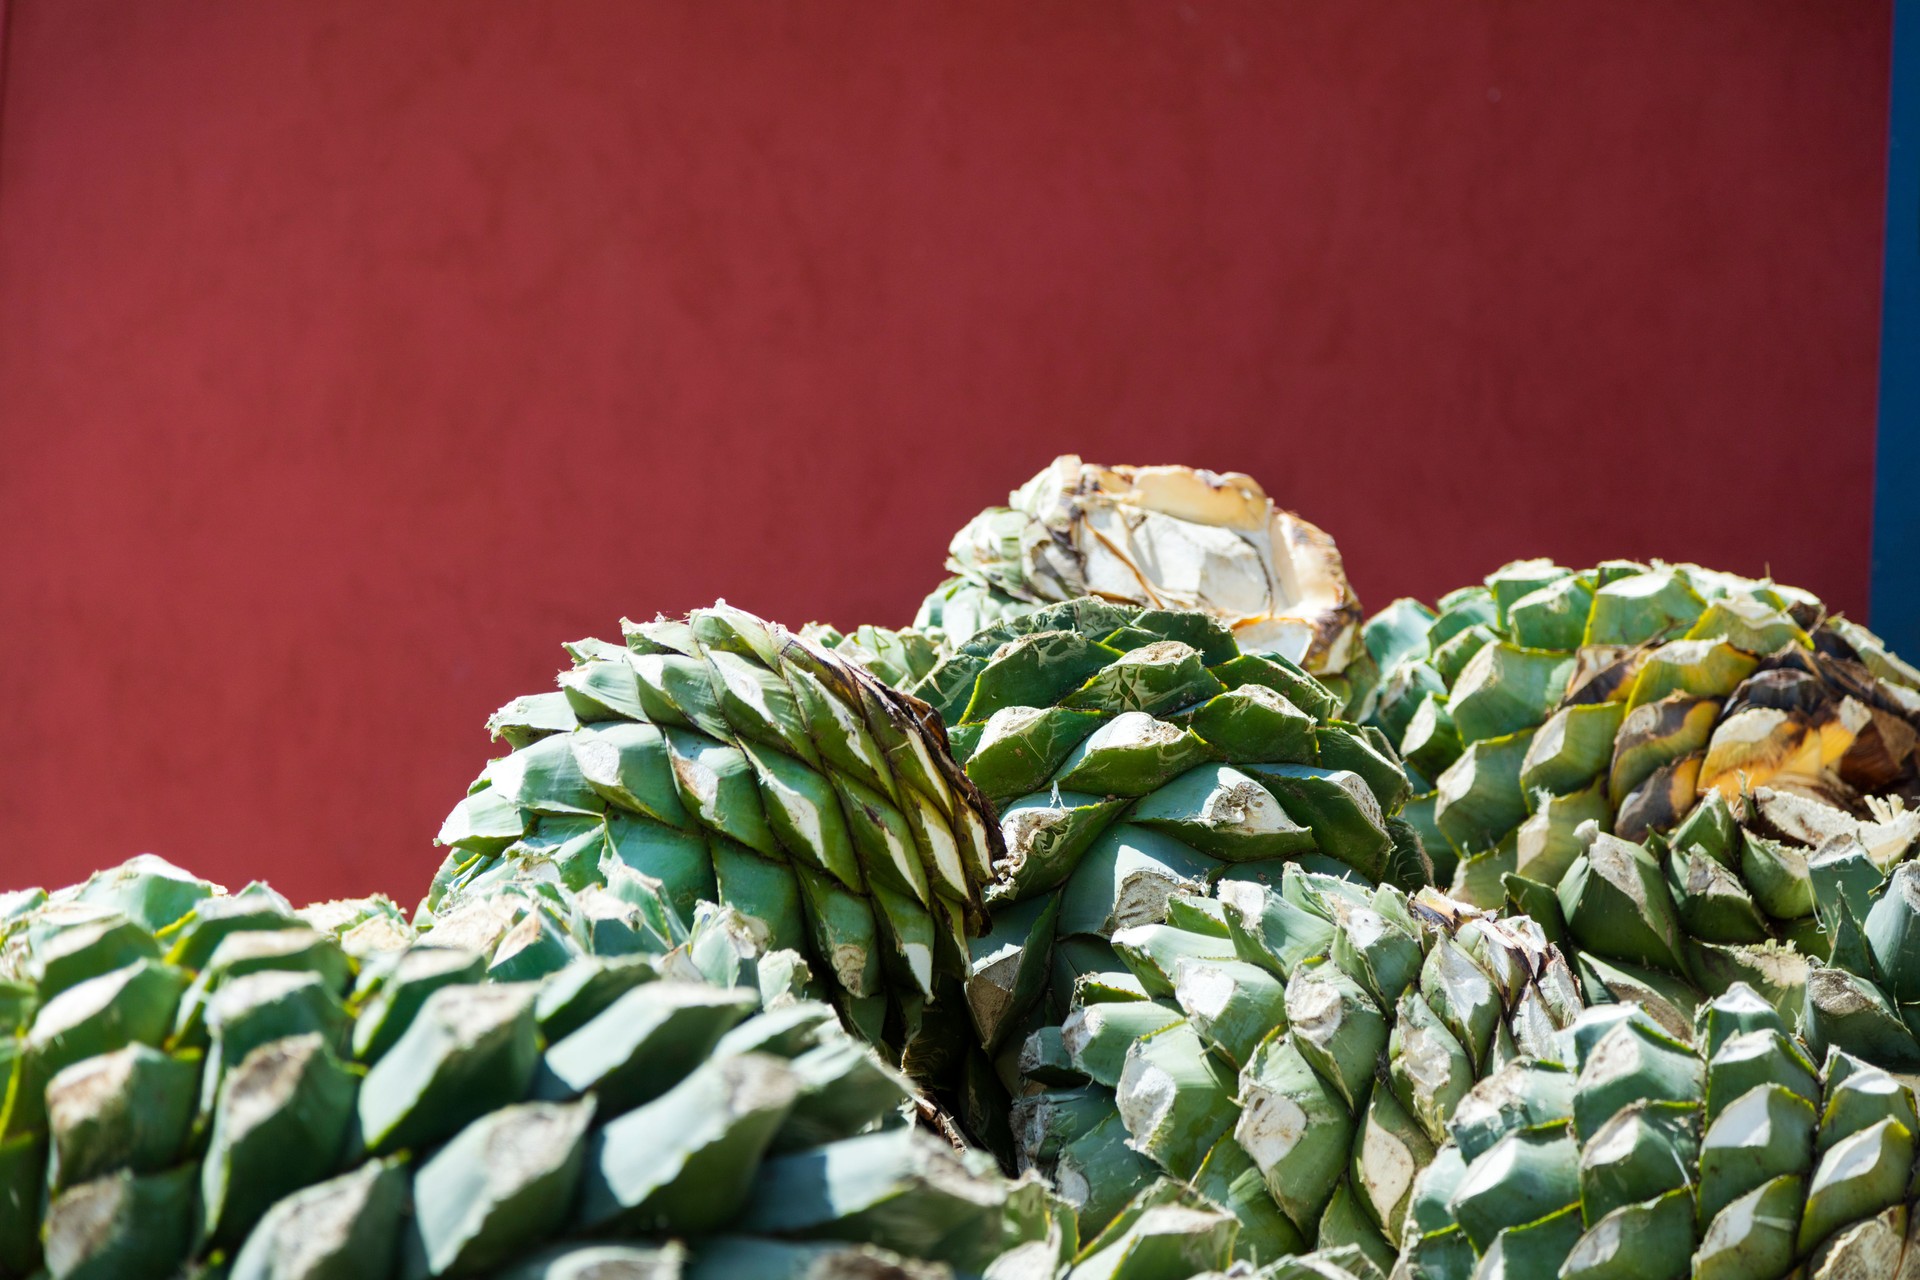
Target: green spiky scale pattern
[
  {"x": 1724, "y": 1152},
  {"x": 1295, "y": 1052},
  {"x": 247, "y": 1094},
  {"x": 1673, "y": 923},
  {"x": 1133, "y": 754},
  {"x": 1599, "y": 705},
  {"x": 733, "y": 761},
  {"x": 1620, "y": 678}
]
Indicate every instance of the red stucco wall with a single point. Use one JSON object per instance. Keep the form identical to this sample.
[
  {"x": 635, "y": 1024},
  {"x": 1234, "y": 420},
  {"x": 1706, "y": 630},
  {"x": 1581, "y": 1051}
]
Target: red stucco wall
[{"x": 353, "y": 355}]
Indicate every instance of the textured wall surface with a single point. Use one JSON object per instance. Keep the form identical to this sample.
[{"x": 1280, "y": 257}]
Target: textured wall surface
[{"x": 353, "y": 355}]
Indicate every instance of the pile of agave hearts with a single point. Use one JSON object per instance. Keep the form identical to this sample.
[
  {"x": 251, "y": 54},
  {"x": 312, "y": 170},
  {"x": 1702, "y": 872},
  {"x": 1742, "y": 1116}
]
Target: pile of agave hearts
[{"x": 1143, "y": 911}]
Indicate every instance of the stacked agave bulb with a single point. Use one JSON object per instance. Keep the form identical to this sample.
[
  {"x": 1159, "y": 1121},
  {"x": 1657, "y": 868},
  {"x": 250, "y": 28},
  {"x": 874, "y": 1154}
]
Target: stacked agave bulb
[
  {"x": 1562, "y": 929},
  {"x": 731, "y": 761},
  {"x": 213, "y": 1084},
  {"x": 1748, "y": 758},
  {"x": 1690, "y": 779}
]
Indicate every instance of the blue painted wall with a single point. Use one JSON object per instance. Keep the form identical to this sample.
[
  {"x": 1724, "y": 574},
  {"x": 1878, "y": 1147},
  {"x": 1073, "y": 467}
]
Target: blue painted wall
[{"x": 1896, "y": 513}]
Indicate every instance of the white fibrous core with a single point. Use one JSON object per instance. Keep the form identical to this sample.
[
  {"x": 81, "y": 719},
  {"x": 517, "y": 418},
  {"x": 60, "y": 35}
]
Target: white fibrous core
[
  {"x": 1314, "y": 1009},
  {"x": 314, "y": 1223},
  {"x": 1849, "y": 1158},
  {"x": 82, "y": 1090},
  {"x": 1598, "y": 1247},
  {"x": 1203, "y": 989},
  {"x": 1007, "y": 722},
  {"x": 1385, "y": 1165},
  {"x": 1270, "y": 1126},
  {"x": 1134, "y": 729},
  {"x": 1835, "y": 996},
  {"x": 1146, "y": 1096},
  {"x": 1075, "y": 1188},
  {"x": 1079, "y": 1029},
  {"x": 264, "y": 1081},
  {"x": 1614, "y": 1142},
  {"x": 530, "y": 1142},
  {"x": 849, "y": 964}
]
